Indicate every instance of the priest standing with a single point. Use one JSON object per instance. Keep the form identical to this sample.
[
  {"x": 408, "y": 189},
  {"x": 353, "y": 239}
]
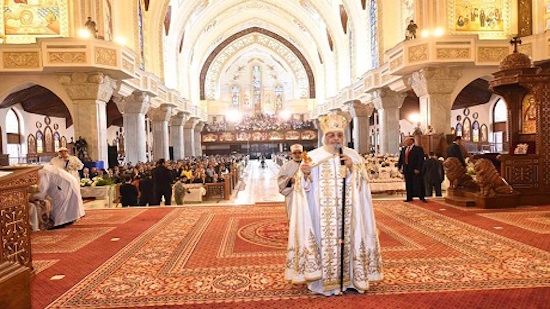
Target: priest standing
[
  {"x": 286, "y": 175},
  {"x": 315, "y": 230},
  {"x": 69, "y": 163}
]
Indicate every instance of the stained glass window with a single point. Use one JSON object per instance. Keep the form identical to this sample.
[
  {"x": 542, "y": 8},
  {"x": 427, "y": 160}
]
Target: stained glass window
[
  {"x": 257, "y": 88},
  {"x": 278, "y": 97},
  {"x": 235, "y": 91},
  {"x": 458, "y": 129},
  {"x": 140, "y": 37},
  {"x": 500, "y": 113},
  {"x": 373, "y": 19}
]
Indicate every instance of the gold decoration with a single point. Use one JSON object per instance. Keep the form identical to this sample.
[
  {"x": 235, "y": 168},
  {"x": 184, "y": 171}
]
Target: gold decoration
[
  {"x": 452, "y": 53},
  {"x": 418, "y": 53},
  {"x": 67, "y": 57},
  {"x": 105, "y": 56},
  {"x": 396, "y": 63},
  {"x": 332, "y": 123},
  {"x": 127, "y": 65},
  {"x": 20, "y": 60},
  {"x": 491, "y": 54}
]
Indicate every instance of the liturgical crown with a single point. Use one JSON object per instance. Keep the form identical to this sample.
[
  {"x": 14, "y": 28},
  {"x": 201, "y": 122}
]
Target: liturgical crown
[{"x": 332, "y": 123}]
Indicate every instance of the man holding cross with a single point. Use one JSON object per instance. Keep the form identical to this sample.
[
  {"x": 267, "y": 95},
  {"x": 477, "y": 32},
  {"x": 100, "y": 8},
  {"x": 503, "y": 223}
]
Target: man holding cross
[{"x": 318, "y": 252}]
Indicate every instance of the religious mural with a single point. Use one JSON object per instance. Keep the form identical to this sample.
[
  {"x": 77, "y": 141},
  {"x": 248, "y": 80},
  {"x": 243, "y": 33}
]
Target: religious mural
[
  {"x": 479, "y": 15},
  {"x": 529, "y": 115},
  {"x": 33, "y": 18}
]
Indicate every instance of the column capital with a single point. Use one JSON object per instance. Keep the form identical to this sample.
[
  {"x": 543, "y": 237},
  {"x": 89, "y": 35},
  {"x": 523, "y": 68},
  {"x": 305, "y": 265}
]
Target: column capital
[
  {"x": 430, "y": 81},
  {"x": 88, "y": 86},
  {"x": 384, "y": 98},
  {"x": 179, "y": 119},
  {"x": 161, "y": 113},
  {"x": 191, "y": 122},
  {"x": 199, "y": 126},
  {"x": 136, "y": 103},
  {"x": 357, "y": 109}
]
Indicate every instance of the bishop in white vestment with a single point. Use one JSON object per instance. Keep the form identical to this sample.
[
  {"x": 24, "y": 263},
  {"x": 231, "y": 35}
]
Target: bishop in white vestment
[
  {"x": 64, "y": 191},
  {"x": 69, "y": 163},
  {"x": 286, "y": 177},
  {"x": 315, "y": 230}
]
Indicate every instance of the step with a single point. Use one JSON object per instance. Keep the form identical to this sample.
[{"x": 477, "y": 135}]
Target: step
[{"x": 460, "y": 201}]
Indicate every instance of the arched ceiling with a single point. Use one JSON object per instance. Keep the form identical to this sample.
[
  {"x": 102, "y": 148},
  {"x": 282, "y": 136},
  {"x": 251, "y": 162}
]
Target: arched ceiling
[
  {"x": 255, "y": 36},
  {"x": 198, "y": 26}
]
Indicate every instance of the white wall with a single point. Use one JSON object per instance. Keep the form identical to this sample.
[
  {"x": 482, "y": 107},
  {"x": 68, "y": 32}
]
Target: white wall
[{"x": 28, "y": 123}]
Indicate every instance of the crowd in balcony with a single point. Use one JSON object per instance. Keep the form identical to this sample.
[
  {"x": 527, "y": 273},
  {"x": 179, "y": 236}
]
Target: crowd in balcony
[{"x": 261, "y": 122}]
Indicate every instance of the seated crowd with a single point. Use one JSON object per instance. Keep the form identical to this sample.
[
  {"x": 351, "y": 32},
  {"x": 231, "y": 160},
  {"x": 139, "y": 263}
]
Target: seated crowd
[
  {"x": 142, "y": 176},
  {"x": 261, "y": 122}
]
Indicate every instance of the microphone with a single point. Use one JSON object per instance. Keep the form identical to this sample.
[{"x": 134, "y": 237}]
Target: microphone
[{"x": 341, "y": 151}]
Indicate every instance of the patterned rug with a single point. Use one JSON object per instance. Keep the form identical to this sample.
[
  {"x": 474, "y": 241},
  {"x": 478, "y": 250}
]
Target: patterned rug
[{"x": 200, "y": 255}]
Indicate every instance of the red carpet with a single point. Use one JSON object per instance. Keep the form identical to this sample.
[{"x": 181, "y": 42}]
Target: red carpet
[{"x": 234, "y": 257}]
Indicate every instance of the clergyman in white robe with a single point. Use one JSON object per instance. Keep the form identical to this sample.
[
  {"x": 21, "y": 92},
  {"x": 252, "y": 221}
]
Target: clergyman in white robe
[
  {"x": 64, "y": 191},
  {"x": 286, "y": 177},
  {"x": 67, "y": 162},
  {"x": 313, "y": 253}
]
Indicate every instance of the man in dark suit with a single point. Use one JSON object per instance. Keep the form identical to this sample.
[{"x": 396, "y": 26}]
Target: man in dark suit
[
  {"x": 434, "y": 174},
  {"x": 454, "y": 150},
  {"x": 162, "y": 180},
  {"x": 128, "y": 193},
  {"x": 411, "y": 161}
]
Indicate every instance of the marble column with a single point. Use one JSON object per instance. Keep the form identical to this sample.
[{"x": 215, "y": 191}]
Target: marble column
[
  {"x": 388, "y": 103},
  {"x": 434, "y": 86},
  {"x": 159, "y": 118},
  {"x": 176, "y": 131},
  {"x": 133, "y": 109},
  {"x": 360, "y": 114},
  {"x": 198, "y": 140},
  {"x": 320, "y": 134},
  {"x": 90, "y": 93},
  {"x": 189, "y": 136}
]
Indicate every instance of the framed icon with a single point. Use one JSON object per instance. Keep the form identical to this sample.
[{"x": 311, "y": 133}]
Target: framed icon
[
  {"x": 458, "y": 118},
  {"x": 47, "y": 120},
  {"x": 55, "y": 126},
  {"x": 466, "y": 112},
  {"x": 38, "y": 124},
  {"x": 475, "y": 115}
]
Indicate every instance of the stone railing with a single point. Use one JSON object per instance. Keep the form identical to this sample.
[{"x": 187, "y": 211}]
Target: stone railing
[
  {"x": 410, "y": 56},
  {"x": 53, "y": 55}
]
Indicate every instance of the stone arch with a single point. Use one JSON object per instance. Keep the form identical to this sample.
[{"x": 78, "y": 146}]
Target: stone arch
[
  {"x": 273, "y": 35},
  {"x": 49, "y": 82}
]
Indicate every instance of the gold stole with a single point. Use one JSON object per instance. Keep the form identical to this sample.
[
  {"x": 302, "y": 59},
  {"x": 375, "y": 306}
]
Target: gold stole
[{"x": 330, "y": 212}]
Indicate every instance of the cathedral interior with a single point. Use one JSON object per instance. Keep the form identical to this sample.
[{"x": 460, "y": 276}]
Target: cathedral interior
[{"x": 136, "y": 81}]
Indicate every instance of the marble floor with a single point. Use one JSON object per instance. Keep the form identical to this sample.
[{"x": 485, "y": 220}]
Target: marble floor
[{"x": 260, "y": 186}]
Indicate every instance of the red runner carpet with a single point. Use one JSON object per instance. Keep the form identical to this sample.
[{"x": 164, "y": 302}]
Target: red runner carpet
[{"x": 435, "y": 256}]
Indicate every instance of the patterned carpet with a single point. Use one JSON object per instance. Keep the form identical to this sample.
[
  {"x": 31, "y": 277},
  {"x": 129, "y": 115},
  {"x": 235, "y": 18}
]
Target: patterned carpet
[{"x": 220, "y": 256}]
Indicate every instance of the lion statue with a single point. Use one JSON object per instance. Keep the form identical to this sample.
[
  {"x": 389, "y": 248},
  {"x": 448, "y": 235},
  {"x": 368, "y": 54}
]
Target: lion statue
[
  {"x": 489, "y": 181},
  {"x": 457, "y": 174}
]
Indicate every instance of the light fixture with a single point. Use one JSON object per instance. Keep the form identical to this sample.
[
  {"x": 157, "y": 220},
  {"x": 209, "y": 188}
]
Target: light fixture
[
  {"x": 414, "y": 118},
  {"x": 285, "y": 114},
  {"x": 425, "y": 33},
  {"x": 233, "y": 115},
  {"x": 84, "y": 33},
  {"x": 439, "y": 32},
  {"x": 120, "y": 40}
]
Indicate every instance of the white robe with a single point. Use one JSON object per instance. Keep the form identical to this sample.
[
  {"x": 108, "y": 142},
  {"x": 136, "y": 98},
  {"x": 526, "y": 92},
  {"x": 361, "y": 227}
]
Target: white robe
[
  {"x": 72, "y": 167},
  {"x": 287, "y": 172},
  {"x": 313, "y": 253},
  {"x": 64, "y": 191}
]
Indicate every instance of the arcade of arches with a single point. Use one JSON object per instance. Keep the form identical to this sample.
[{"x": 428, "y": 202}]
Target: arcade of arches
[{"x": 141, "y": 80}]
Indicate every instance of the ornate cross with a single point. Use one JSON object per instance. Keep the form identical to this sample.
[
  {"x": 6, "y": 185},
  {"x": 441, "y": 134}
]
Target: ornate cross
[{"x": 515, "y": 41}]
